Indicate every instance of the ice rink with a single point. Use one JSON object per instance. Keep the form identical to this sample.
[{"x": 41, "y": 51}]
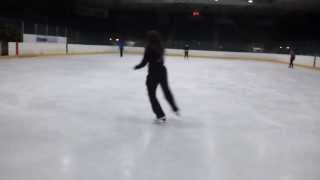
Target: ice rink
[{"x": 88, "y": 118}]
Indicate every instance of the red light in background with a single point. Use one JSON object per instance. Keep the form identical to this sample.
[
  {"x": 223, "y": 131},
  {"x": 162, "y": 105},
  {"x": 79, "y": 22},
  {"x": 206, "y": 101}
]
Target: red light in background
[{"x": 195, "y": 13}]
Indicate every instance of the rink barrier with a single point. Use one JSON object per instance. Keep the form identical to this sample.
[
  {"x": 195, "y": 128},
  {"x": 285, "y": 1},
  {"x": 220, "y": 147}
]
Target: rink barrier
[
  {"x": 36, "y": 49},
  {"x": 40, "y": 49},
  {"x": 85, "y": 49},
  {"x": 303, "y": 61}
]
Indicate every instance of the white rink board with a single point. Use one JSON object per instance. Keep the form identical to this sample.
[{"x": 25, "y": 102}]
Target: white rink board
[
  {"x": 31, "y": 49},
  {"x": 32, "y": 38},
  {"x": 50, "y": 48},
  {"x": 79, "y": 49}
]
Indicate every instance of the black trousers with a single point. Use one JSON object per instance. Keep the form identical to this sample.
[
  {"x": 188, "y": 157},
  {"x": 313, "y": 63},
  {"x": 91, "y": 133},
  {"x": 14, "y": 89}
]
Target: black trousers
[
  {"x": 186, "y": 54},
  {"x": 153, "y": 80},
  {"x": 291, "y": 63},
  {"x": 121, "y": 52}
]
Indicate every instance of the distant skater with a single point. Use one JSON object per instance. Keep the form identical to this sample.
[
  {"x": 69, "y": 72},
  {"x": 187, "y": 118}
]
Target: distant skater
[
  {"x": 157, "y": 74},
  {"x": 292, "y": 58},
  {"x": 121, "y": 46},
  {"x": 186, "y": 51}
]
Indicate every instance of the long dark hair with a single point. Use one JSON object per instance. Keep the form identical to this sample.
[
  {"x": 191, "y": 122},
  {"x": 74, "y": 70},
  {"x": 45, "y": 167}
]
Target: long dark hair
[{"x": 154, "y": 42}]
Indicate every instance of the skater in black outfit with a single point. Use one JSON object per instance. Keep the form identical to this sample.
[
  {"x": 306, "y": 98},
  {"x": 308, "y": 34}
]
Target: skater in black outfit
[
  {"x": 292, "y": 58},
  {"x": 186, "y": 51},
  {"x": 157, "y": 74},
  {"x": 121, "y": 46}
]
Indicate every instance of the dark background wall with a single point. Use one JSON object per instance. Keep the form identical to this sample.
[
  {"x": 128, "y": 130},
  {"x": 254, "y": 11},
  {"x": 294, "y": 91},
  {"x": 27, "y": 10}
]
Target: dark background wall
[{"x": 231, "y": 28}]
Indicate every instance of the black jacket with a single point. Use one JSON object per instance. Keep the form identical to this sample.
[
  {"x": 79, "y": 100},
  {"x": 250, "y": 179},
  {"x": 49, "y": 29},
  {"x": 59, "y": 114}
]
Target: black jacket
[
  {"x": 154, "y": 58},
  {"x": 186, "y": 48}
]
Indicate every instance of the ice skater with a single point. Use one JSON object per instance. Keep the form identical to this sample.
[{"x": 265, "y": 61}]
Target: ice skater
[
  {"x": 121, "y": 46},
  {"x": 157, "y": 74},
  {"x": 186, "y": 51},
  {"x": 292, "y": 57}
]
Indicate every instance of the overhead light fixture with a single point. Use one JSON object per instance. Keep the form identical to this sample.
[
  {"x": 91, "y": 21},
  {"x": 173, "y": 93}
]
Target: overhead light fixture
[{"x": 250, "y": 1}]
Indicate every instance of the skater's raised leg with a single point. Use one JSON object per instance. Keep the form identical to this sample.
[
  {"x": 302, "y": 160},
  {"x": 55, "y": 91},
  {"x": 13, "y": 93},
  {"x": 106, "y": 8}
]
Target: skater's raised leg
[{"x": 167, "y": 92}]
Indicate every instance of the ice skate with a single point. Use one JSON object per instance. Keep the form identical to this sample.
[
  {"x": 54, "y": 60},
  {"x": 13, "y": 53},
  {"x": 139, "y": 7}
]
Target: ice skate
[
  {"x": 160, "y": 120},
  {"x": 177, "y": 113}
]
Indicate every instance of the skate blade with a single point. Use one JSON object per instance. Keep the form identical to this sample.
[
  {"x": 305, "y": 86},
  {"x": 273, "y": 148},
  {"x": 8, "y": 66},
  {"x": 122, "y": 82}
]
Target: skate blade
[{"x": 159, "y": 122}]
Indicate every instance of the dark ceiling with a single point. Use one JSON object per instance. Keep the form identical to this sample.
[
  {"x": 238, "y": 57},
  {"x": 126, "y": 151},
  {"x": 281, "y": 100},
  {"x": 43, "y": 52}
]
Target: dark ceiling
[
  {"x": 102, "y": 8},
  {"x": 283, "y": 4},
  {"x": 212, "y": 6},
  {"x": 224, "y": 2}
]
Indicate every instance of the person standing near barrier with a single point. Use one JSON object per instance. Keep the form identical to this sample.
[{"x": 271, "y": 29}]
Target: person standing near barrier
[
  {"x": 157, "y": 74},
  {"x": 186, "y": 51},
  {"x": 121, "y": 44},
  {"x": 292, "y": 57}
]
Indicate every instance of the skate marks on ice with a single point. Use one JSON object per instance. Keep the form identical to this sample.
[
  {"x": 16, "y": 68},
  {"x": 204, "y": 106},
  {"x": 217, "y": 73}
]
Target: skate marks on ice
[{"x": 181, "y": 122}]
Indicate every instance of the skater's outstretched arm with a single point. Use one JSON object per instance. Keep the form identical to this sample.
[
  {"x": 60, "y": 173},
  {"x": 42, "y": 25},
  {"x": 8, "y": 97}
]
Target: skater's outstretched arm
[
  {"x": 141, "y": 65},
  {"x": 144, "y": 60}
]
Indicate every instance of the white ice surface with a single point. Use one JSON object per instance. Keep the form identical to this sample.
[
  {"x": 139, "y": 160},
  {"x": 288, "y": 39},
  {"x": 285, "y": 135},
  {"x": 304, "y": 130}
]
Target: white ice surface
[{"x": 89, "y": 118}]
